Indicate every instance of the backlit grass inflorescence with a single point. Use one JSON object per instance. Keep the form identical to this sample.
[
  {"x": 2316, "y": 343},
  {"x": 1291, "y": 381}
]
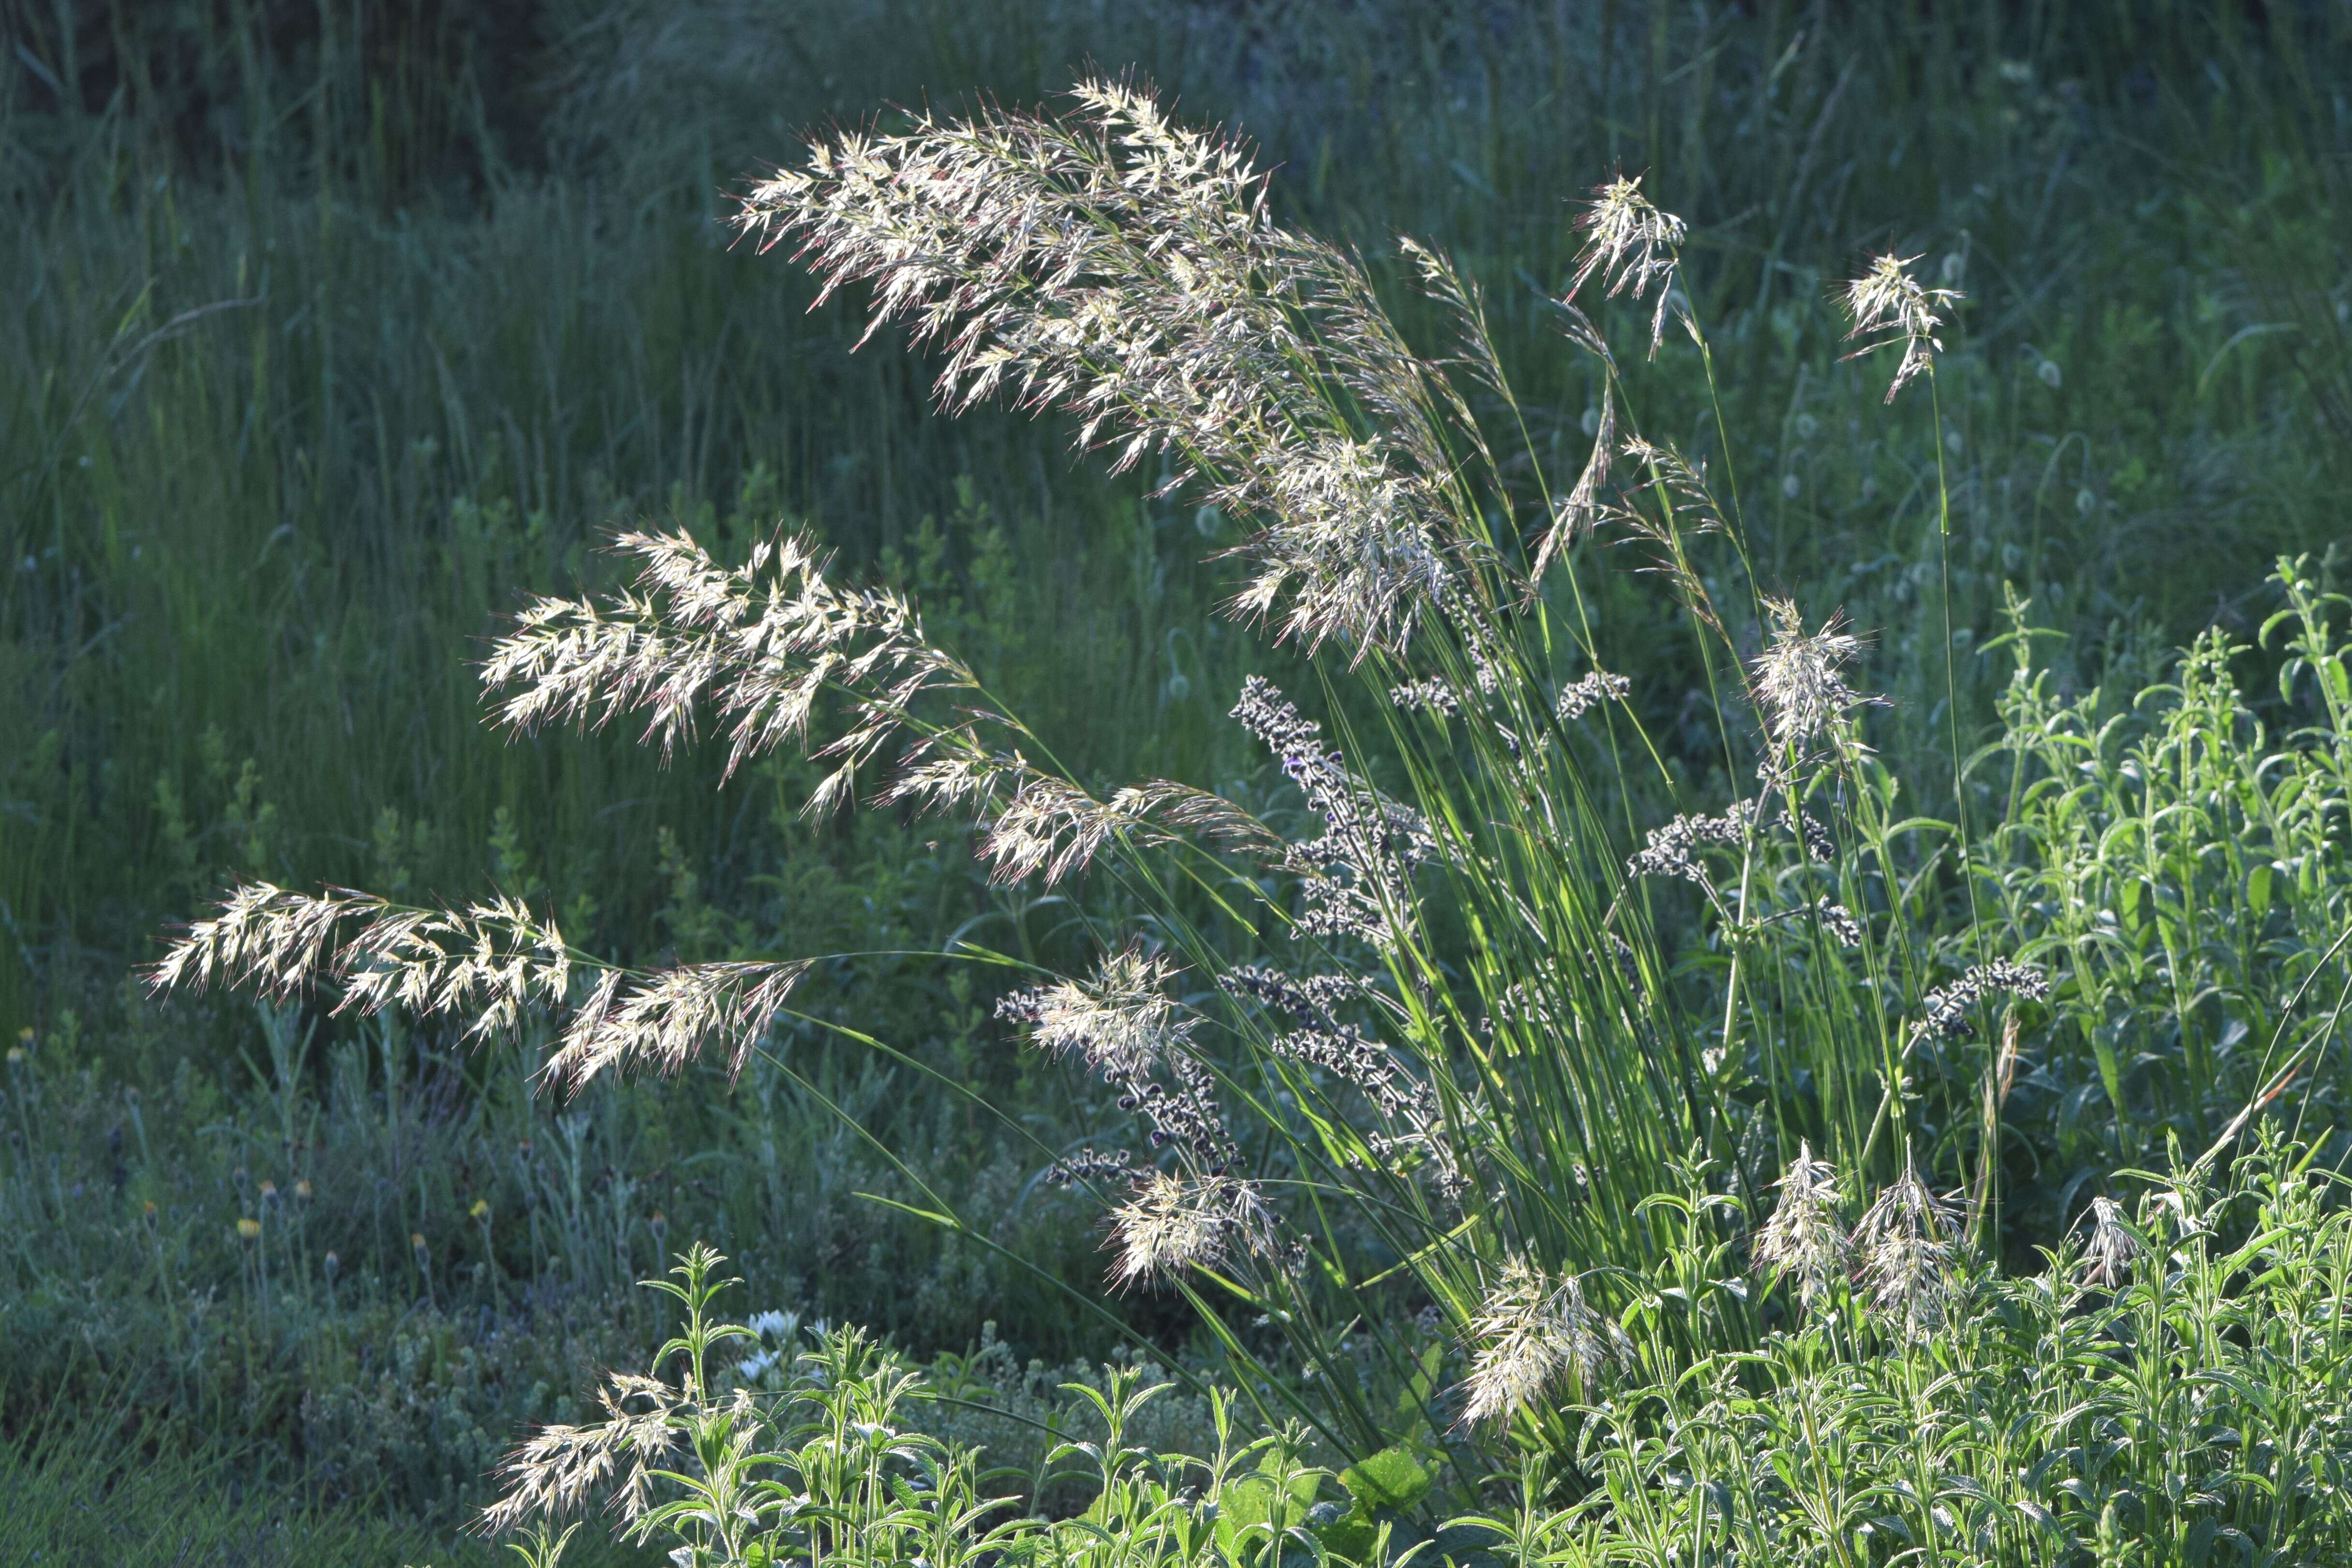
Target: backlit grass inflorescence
[
  {"x": 1172, "y": 1223},
  {"x": 1530, "y": 1330},
  {"x": 1632, "y": 244},
  {"x": 486, "y": 967},
  {"x": 1670, "y": 850},
  {"x": 1581, "y": 696},
  {"x": 1123, "y": 1026},
  {"x": 1909, "y": 1253},
  {"x": 1800, "y": 684},
  {"x": 1803, "y": 1238},
  {"x": 1123, "y": 267},
  {"x": 1122, "y": 1022},
  {"x": 1887, "y": 306},
  {"x": 2112, "y": 1247}
]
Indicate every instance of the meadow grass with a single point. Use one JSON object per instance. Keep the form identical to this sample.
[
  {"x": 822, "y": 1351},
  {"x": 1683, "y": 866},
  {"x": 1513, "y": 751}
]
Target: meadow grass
[
  {"x": 82, "y": 1494},
  {"x": 247, "y": 521},
  {"x": 304, "y": 426}
]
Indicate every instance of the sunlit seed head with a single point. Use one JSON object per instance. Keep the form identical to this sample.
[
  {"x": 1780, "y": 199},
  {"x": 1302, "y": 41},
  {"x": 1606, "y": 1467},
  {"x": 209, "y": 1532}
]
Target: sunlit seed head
[
  {"x": 1799, "y": 683},
  {"x": 2112, "y": 1247},
  {"x": 1803, "y": 1239},
  {"x": 1530, "y": 1332},
  {"x": 1630, "y": 243},
  {"x": 1887, "y": 307},
  {"x": 1909, "y": 1259},
  {"x": 1120, "y": 1022},
  {"x": 1172, "y": 1223}
]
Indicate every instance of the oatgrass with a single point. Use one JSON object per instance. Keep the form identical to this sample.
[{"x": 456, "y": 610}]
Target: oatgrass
[
  {"x": 423, "y": 477},
  {"x": 1494, "y": 1051},
  {"x": 323, "y": 519}
]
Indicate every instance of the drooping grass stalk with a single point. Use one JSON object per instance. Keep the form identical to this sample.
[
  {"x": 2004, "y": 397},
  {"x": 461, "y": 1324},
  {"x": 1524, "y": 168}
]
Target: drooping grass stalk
[{"x": 1446, "y": 1052}]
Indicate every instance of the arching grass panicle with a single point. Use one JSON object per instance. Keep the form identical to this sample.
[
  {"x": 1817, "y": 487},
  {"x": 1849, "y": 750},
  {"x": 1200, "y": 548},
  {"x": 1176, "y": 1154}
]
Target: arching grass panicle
[
  {"x": 1122, "y": 266},
  {"x": 1632, "y": 244}
]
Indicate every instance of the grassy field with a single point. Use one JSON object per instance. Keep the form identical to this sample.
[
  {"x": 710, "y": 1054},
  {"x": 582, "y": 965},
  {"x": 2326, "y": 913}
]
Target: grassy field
[{"x": 336, "y": 340}]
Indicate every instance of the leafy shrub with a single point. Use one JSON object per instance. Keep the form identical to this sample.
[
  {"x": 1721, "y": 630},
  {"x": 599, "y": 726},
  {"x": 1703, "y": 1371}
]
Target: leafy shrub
[
  {"x": 2172, "y": 1391},
  {"x": 2182, "y": 873}
]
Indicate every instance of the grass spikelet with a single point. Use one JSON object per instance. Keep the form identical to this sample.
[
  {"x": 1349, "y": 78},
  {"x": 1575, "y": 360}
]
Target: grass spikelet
[
  {"x": 1632, "y": 244},
  {"x": 1886, "y": 306},
  {"x": 1530, "y": 1332},
  {"x": 1802, "y": 1239}
]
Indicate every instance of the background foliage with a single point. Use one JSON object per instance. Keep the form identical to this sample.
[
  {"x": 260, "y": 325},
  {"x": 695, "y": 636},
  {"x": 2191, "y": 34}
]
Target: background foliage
[{"x": 341, "y": 328}]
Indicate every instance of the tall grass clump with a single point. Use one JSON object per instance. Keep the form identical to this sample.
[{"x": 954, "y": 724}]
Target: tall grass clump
[
  {"x": 1485, "y": 1030},
  {"x": 338, "y": 331}
]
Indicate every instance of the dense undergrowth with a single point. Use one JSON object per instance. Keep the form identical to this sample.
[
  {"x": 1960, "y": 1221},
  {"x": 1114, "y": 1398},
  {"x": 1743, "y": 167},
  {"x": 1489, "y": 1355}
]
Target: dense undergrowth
[{"x": 301, "y": 413}]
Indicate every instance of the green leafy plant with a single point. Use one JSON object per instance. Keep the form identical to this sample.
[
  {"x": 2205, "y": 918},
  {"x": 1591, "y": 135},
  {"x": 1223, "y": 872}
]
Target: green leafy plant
[
  {"x": 2182, "y": 871},
  {"x": 831, "y": 1469},
  {"x": 2169, "y": 1389}
]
